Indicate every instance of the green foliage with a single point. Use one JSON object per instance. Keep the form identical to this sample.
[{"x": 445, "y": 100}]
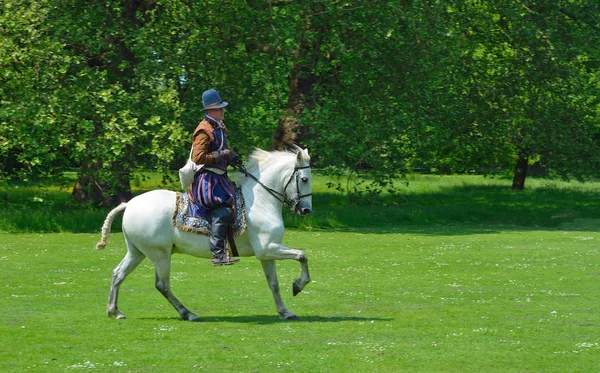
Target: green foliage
[
  {"x": 463, "y": 86},
  {"x": 112, "y": 88},
  {"x": 87, "y": 102}
]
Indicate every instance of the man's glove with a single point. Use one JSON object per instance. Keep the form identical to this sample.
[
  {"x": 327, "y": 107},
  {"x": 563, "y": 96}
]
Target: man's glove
[
  {"x": 229, "y": 154},
  {"x": 226, "y": 154}
]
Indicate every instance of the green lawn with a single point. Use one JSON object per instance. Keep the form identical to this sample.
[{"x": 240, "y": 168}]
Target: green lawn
[
  {"x": 449, "y": 274},
  {"x": 437, "y": 298}
]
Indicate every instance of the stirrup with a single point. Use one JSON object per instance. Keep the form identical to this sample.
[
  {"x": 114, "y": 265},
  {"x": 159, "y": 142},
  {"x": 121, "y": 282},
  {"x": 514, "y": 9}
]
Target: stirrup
[{"x": 223, "y": 260}]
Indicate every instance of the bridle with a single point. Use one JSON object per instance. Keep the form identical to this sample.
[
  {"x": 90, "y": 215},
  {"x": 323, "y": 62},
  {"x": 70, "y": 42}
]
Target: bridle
[{"x": 289, "y": 202}]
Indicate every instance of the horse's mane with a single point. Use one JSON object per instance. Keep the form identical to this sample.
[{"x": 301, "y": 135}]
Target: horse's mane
[{"x": 261, "y": 158}]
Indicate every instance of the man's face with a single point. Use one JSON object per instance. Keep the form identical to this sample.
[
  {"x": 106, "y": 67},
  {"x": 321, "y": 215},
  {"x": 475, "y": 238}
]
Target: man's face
[{"x": 216, "y": 114}]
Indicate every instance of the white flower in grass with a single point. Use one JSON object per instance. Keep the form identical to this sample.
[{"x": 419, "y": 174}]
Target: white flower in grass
[
  {"x": 165, "y": 328},
  {"x": 587, "y": 345}
]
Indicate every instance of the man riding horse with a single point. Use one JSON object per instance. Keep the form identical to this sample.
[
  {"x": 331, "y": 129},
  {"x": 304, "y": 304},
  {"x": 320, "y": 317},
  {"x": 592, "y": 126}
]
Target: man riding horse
[{"x": 211, "y": 192}]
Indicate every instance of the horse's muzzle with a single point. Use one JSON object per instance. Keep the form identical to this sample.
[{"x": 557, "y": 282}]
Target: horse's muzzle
[{"x": 303, "y": 211}]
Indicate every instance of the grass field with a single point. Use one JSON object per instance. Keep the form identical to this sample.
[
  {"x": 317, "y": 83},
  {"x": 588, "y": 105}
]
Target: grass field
[
  {"x": 453, "y": 274},
  {"x": 432, "y": 299}
]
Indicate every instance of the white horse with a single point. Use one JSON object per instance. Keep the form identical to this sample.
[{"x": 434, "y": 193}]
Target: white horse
[{"x": 273, "y": 179}]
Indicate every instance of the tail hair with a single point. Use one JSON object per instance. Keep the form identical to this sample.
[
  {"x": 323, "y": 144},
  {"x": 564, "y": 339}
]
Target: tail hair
[{"x": 107, "y": 224}]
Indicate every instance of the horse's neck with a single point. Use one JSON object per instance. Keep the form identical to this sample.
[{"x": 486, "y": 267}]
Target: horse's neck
[{"x": 256, "y": 194}]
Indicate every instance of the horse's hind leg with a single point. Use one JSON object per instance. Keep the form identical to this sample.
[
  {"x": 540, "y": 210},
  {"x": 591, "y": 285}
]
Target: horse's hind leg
[
  {"x": 162, "y": 268},
  {"x": 131, "y": 260}
]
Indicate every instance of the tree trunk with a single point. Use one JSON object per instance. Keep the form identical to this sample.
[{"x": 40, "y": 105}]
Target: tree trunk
[
  {"x": 520, "y": 173},
  {"x": 290, "y": 130},
  {"x": 95, "y": 184},
  {"x": 91, "y": 187},
  {"x": 99, "y": 193}
]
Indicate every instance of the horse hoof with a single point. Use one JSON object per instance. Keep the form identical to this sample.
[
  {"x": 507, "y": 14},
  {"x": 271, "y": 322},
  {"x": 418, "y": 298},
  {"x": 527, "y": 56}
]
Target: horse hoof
[
  {"x": 116, "y": 315},
  {"x": 296, "y": 289},
  {"x": 193, "y": 318},
  {"x": 288, "y": 315}
]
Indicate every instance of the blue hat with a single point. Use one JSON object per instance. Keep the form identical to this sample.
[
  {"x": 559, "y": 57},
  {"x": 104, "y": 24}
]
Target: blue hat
[{"x": 212, "y": 100}]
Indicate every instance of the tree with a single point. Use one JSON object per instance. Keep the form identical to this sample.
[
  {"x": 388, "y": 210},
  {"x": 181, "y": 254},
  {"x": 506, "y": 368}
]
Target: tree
[
  {"x": 97, "y": 99},
  {"x": 538, "y": 88},
  {"x": 31, "y": 66},
  {"x": 506, "y": 87},
  {"x": 111, "y": 88}
]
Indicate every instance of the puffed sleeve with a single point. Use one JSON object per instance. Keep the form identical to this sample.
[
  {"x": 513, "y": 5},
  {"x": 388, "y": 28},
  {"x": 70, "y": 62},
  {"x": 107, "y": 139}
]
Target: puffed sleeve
[{"x": 201, "y": 153}]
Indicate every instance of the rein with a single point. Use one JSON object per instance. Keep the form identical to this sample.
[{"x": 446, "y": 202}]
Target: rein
[{"x": 289, "y": 202}]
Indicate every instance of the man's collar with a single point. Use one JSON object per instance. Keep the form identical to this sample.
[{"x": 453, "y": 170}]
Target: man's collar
[{"x": 214, "y": 121}]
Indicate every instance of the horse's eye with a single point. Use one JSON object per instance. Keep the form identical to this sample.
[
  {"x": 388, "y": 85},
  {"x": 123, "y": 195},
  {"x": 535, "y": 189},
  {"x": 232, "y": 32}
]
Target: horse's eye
[{"x": 305, "y": 179}]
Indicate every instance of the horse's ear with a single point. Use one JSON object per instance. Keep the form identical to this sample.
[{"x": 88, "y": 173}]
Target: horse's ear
[{"x": 302, "y": 155}]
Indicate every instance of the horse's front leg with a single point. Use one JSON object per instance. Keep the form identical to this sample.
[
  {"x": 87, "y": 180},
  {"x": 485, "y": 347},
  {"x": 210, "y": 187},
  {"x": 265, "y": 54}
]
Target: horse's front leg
[
  {"x": 271, "y": 273},
  {"x": 300, "y": 282},
  {"x": 279, "y": 252}
]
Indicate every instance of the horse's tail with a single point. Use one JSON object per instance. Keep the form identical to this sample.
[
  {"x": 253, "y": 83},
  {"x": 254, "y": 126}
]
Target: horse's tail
[{"x": 107, "y": 223}]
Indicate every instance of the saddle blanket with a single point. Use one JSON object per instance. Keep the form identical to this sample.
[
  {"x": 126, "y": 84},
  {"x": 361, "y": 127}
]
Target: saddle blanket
[{"x": 188, "y": 218}]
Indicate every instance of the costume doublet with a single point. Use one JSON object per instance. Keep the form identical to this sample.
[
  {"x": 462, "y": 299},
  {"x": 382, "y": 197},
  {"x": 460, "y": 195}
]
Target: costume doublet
[{"x": 211, "y": 186}]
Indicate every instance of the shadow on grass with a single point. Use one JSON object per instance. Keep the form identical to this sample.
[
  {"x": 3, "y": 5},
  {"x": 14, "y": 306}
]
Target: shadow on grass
[
  {"x": 458, "y": 210},
  {"x": 273, "y": 319},
  {"x": 449, "y": 210},
  {"x": 468, "y": 228}
]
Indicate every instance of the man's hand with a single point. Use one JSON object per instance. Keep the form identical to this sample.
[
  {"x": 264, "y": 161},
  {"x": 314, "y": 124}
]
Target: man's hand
[{"x": 228, "y": 155}]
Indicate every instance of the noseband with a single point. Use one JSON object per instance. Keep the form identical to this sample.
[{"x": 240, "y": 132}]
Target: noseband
[{"x": 289, "y": 202}]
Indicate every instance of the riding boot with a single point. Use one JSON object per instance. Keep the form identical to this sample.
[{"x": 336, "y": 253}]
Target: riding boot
[{"x": 220, "y": 218}]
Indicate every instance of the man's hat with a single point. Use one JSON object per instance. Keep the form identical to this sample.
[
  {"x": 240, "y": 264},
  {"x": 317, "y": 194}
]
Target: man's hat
[{"x": 212, "y": 100}]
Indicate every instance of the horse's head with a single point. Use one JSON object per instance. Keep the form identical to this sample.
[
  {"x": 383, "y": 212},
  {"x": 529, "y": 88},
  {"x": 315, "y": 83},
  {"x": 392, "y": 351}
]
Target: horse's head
[
  {"x": 298, "y": 188},
  {"x": 295, "y": 188}
]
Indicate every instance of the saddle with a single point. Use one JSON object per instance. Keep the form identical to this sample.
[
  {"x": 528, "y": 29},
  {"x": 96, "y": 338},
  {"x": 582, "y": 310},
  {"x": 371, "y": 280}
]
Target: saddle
[{"x": 184, "y": 219}]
